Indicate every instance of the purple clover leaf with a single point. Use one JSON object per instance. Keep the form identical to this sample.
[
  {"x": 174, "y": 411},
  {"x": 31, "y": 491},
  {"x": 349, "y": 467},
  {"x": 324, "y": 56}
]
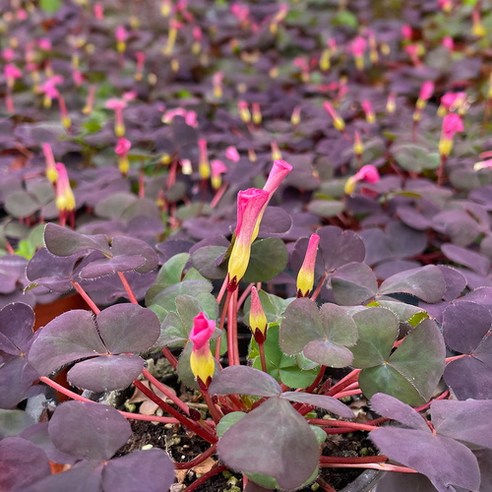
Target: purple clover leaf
[
  {"x": 466, "y": 328},
  {"x": 105, "y": 341},
  {"x": 17, "y": 375}
]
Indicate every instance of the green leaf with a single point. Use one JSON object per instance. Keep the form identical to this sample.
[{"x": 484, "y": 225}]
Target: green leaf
[
  {"x": 282, "y": 367},
  {"x": 228, "y": 421},
  {"x": 50, "y": 6},
  {"x": 26, "y": 249},
  {"x": 326, "y": 208},
  {"x": 172, "y": 271},
  {"x": 415, "y": 158},
  {"x": 322, "y": 336},
  {"x": 268, "y": 258},
  {"x": 412, "y": 371}
]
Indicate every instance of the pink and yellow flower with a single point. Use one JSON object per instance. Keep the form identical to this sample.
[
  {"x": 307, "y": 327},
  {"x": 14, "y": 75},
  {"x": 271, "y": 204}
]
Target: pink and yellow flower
[
  {"x": 367, "y": 173},
  {"x": 250, "y": 206},
  {"x": 305, "y": 277},
  {"x": 203, "y": 163},
  {"x": 202, "y": 361},
  {"x": 451, "y": 125},
  {"x": 51, "y": 172},
  {"x": 123, "y": 146},
  {"x": 368, "y": 111},
  {"x": 257, "y": 318},
  {"x": 338, "y": 122}
]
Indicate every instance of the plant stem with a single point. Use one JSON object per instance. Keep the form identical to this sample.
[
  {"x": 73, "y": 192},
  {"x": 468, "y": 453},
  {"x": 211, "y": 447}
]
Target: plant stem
[
  {"x": 447, "y": 360},
  {"x": 166, "y": 390},
  {"x": 321, "y": 282},
  {"x": 128, "y": 289},
  {"x": 211, "y": 473},
  {"x": 318, "y": 379},
  {"x": 190, "y": 424},
  {"x": 374, "y": 466},
  {"x": 354, "y": 460},
  {"x": 342, "y": 423},
  {"x": 170, "y": 357},
  {"x": 343, "y": 394},
  {"x": 441, "y": 171},
  {"x": 128, "y": 415},
  {"x": 261, "y": 348},
  {"x": 348, "y": 379},
  {"x": 196, "y": 461},
  {"x": 232, "y": 342},
  {"x": 222, "y": 323},
  {"x": 212, "y": 408},
  {"x": 223, "y": 288},
  {"x": 85, "y": 296},
  {"x": 217, "y": 197}
]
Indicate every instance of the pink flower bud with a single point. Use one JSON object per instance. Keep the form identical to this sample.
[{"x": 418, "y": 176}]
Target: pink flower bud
[
  {"x": 305, "y": 277},
  {"x": 426, "y": 90},
  {"x": 406, "y": 32},
  {"x": 257, "y": 318},
  {"x": 232, "y": 154},
  {"x": 123, "y": 146},
  {"x": 202, "y": 362},
  {"x": 452, "y": 124}
]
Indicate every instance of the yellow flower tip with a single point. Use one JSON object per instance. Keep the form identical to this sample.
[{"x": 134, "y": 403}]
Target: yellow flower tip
[
  {"x": 119, "y": 129},
  {"x": 257, "y": 319},
  {"x": 445, "y": 147},
  {"x": 350, "y": 184},
  {"x": 123, "y": 165},
  {"x": 51, "y": 174},
  {"x": 121, "y": 46},
  {"x": 203, "y": 367},
  {"x": 339, "y": 124}
]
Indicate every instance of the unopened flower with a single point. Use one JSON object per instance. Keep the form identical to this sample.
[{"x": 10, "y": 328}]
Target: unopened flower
[
  {"x": 426, "y": 91},
  {"x": 123, "y": 146},
  {"x": 203, "y": 163},
  {"x": 358, "y": 48},
  {"x": 256, "y": 113},
  {"x": 368, "y": 111},
  {"x": 276, "y": 154},
  {"x": 11, "y": 74},
  {"x": 406, "y": 32},
  {"x": 117, "y": 105},
  {"x": 448, "y": 43},
  {"x": 51, "y": 172},
  {"x": 478, "y": 29},
  {"x": 338, "y": 122},
  {"x": 244, "y": 113},
  {"x": 305, "y": 277},
  {"x": 218, "y": 168},
  {"x": 98, "y": 11},
  {"x": 446, "y": 5},
  {"x": 250, "y": 204},
  {"x": 121, "y": 35},
  {"x": 232, "y": 154},
  {"x": 451, "y": 125},
  {"x": 65, "y": 199},
  {"x": 257, "y": 319},
  {"x": 367, "y": 173},
  {"x": 295, "y": 117},
  {"x": 201, "y": 360},
  {"x": 358, "y": 145},
  {"x": 217, "y": 81},
  {"x": 391, "y": 103},
  {"x": 453, "y": 101},
  {"x": 240, "y": 12}
]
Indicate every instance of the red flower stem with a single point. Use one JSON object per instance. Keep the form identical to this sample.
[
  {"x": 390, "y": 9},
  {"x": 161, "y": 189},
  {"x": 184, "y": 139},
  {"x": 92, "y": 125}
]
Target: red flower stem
[
  {"x": 190, "y": 424},
  {"x": 351, "y": 386},
  {"x": 170, "y": 357},
  {"x": 348, "y": 379},
  {"x": 171, "y": 177},
  {"x": 222, "y": 323},
  {"x": 85, "y": 296},
  {"x": 261, "y": 348},
  {"x": 128, "y": 289},
  {"x": 321, "y": 282},
  {"x": 128, "y": 415},
  {"x": 200, "y": 481},
  {"x": 342, "y": 423},
  {"x": 222, "y": 290},
  {"x": 141, "y": 184},
  {"x": 343, "y": 394},
  {"x": 196, "y": 461},
  {"x": 232, "y": 342},
  {"x": 215, "y": 412},
  {"x": 447, "y": 360},
  {"x": 244, "y": 295},
  {"x": 166, "y": 390},
  {"x": 442, "y": 396},
  {"x": 317, "y": 380},
  {"x": 218, "y": 196},
  {"x": 374, "y": 466},
  {"x": 441, "y": 171},
  {"x": 338, "y": 430},
  {"x": 354, "y": 460}
]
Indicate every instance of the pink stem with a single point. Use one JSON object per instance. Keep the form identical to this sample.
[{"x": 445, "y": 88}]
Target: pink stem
[
  {"x": 135, "y": 416},
  {"x": 166, "y": 390},
  {"x": 374, "y": 466},
  {"x": 85, "y": 296},
  {"x": 342, "y": 423},
  {"x": 343, "y": 394},
  {"x": 447, "y": 360},
  {"x": 128, "y": 289},
  {"x": 232, "y": 342},
  {"x": 348, "y": 379},
  {"x": 244, "y": 295}
]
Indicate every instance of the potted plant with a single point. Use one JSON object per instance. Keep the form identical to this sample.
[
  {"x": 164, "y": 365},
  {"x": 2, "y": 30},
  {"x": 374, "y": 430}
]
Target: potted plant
[{"x": 243, "y": 325}]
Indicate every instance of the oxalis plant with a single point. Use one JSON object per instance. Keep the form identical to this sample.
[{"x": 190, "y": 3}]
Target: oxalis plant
[
  {"x": 268, "y": 415},
  {"x": 271, "y": 337}
]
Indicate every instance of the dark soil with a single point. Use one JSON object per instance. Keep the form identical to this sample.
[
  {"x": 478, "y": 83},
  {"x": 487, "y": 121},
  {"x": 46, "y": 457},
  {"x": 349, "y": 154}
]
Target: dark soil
[{"x": 183, "y": 446}]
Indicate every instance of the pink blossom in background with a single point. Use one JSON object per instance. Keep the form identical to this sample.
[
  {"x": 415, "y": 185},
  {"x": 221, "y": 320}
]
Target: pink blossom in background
[
  {"x": 8, "y": 54},
  {"x": 232, "y": 154},
  {"x": 44, "y": 44},
  {"x": 121, "y": 34},
  {"x": 122, "y": 147},
  {"x": 11, "y": 73},
  {"x": 367, "y": 173},
  {"x": 406, "y": 32},
  {"x": 49, "y": 86},
  {"x": 451, "y": 100},
  {"x": 240, "y": 12},
  {"x": 98, "y": 11},
  {"x": 426, "y": 90},
  {"x": 451, "y": 125},
  {"x": 358, "y": 46},
  {"x": 448, "y": 43}
]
